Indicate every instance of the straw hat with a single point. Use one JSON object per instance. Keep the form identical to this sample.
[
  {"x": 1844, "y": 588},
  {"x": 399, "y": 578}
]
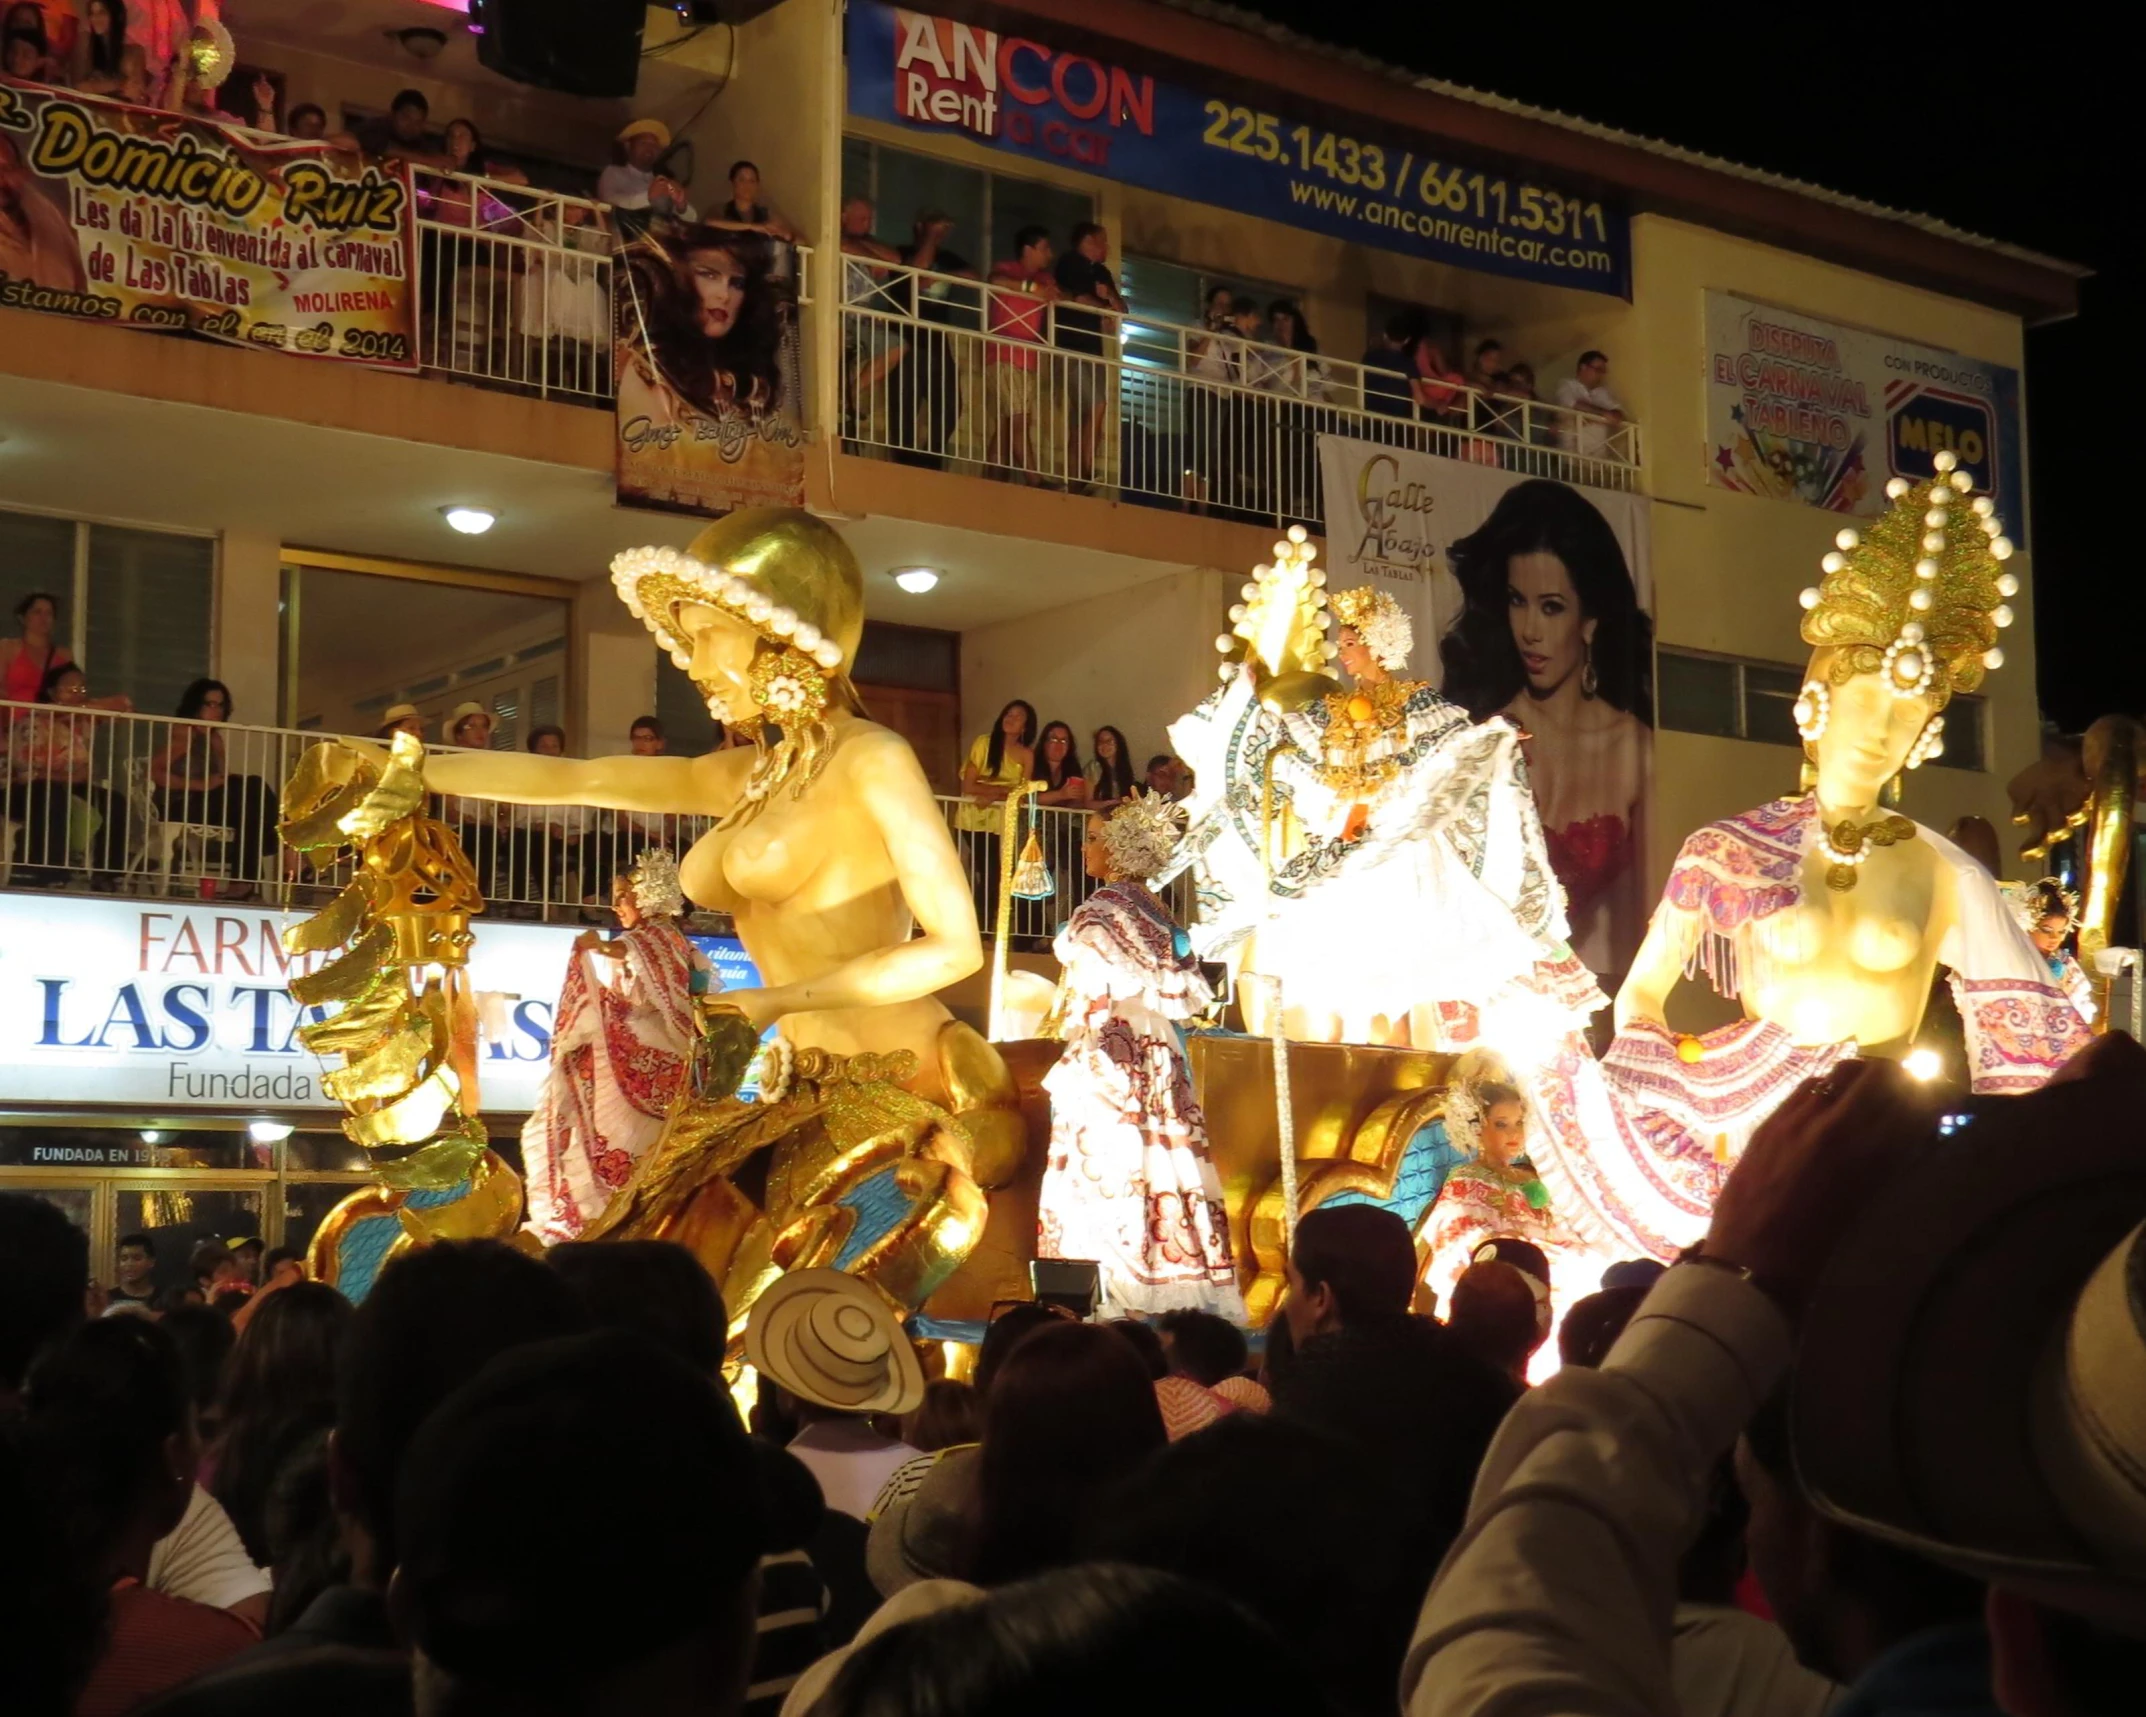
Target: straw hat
[
  {"x": 647, "y": 128},
  {"x": 925, "y": 1535},
  {"x": 397, "y": 712},
  {"x": 829, "y": 1339},
  {"x": 462, "y": 711}
]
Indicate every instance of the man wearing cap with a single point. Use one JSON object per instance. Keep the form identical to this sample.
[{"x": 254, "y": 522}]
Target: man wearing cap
[
  {"x": 632, "y": 182},
  {"x": 400, "y": 135},
  {"x": 642, "y": 1602},
  {"x": 1966, "y": 1311},
  {"x": 830, "y": 1344}
]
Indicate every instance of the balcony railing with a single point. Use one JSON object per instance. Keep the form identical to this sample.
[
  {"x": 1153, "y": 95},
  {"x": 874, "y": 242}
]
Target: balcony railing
[
  {"x": 1060, "y": 833},
  {"x": 514, "y": 286},
  {"x": 92, "y": 801},
  {"x": 946, "y": 370}
]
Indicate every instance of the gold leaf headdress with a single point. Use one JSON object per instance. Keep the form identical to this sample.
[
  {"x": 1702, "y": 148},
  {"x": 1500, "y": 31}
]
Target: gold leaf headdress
[
  {"x": 656, "y": 888},
  {"x": 1919, "y": 597}
]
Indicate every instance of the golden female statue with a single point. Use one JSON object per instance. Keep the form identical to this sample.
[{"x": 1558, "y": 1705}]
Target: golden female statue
[
  {"x": 1826, "y": 915},
  {"x": 830, "y": 855}
]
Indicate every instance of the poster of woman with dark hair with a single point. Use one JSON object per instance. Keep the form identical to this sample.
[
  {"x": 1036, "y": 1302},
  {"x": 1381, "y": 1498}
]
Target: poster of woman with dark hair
[
  {"x": 709, "y": 396},
  {"x": 1552, "y": 635}
]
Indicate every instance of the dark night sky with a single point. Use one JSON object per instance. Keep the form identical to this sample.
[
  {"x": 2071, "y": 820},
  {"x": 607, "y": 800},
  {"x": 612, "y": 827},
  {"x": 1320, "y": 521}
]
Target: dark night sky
[{"x": 2014, "y": 137}]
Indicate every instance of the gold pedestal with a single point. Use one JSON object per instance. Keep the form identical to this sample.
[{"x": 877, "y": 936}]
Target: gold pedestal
[{"x": 1354, "y": 1106}]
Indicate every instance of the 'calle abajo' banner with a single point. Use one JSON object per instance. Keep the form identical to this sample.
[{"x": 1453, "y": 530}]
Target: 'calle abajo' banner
[
  {"x": 147, "y": 219},
  {"x": 1021, "y": 95}
]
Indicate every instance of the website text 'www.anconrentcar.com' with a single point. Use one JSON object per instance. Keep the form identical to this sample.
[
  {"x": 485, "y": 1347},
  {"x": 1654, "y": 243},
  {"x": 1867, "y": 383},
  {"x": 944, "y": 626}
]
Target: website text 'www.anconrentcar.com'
[{"x": 1442, "y": 229}]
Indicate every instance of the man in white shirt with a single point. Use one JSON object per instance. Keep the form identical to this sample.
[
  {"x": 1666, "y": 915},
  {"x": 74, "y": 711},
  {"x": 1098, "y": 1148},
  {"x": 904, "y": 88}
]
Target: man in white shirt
[
  {"x": 1597, "y": 413},
  {"x": 633, "y": 182}
]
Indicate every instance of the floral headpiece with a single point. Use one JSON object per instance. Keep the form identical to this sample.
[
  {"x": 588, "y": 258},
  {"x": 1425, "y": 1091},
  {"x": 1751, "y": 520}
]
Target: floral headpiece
[
  {"x": 1376, "y": 618},
  {"x": 656, "y": 889},
  {"x": 1921, "y": 597},
  {"x": 1464, "y": 1108},
  {"x": 655, "y": 583},
  {"x": 1142, "y": 833}
]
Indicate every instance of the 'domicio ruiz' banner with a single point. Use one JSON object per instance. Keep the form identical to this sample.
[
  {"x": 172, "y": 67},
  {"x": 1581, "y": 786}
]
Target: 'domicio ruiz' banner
[
  {"x": 146, "y": 219},
  {"x": 1015, "y": 93},
  {"x": 710, "y": 400},
  {"x": 1802, "y": 409}
]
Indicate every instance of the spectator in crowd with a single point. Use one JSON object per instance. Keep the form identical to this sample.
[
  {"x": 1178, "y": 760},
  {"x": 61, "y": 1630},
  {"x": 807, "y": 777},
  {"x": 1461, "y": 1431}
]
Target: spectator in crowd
[
  {"x": 1086, "y": 326},
  {"x": 1585, "y": 393},
  {"x": 44, "y": 1260},
  {"x": 1955, "y": 1301},
  {"x": 1016, "y": 308},
  {"x": 195, "y": 784},
  {"x": 433, "y": 1320},
  {"x": 1386, "y": 367},
  {"x": 478, "y": 1589},
  {"x": 1071, "y": 1412},
  {"x": 29, "y": 47},
  {"x": 1418, "y": 1408},
  {"x": 872, "y": 344},
  {"x": 1202, "y": 1346},
  {"x": 1517, "y": 392},
  {"x": 1439, "y": 390},
  {"x": 950, "y": 1417},
  {"x": 105, "y": 61},
  {"x": 1289, "y": 365},
  {"x": 1485, "y": 376},
  {"x": 1082, "y": 1640},
  {"x": 745, "y": 208},
  {"x": 1496, "y": 1315},
  {"x": 538, "y": 837},
  {"x": 1146, "y": 1343},
  {"x": 308, "y": 122},
  {"x": 400, "y": 718},
  {"x": 246, "y": 1253},
  {"x": 660, "y": 1292},
  {"x": 1058, "y": 766},
  {"x": 1208, "y": 357},
  {"x": 54, "y": 798},
  {"x": 108, "y": 1431},
  {"x": 1109, "y": 771},
  {"x": 998, "y": 762},
  {"x": 28, "y": 657},
  {"x": 279, "y": 1389},
  {"x": 605, "y": 852},
  {"x": 838, "y": 1356},
  {"x": 214, "y": 1268},
  {"x": 134, "y": 1261},
  {"x": 1162, "y": 775},
  {"x": 1321, "y": 1558},
  {"x": 932, "y": 396},
  {"x": 479, "y": 824},
  {"x": 37, "y": 242},
  {"x": 634, "y": 184},
  {"x": 400, "y": 134}
]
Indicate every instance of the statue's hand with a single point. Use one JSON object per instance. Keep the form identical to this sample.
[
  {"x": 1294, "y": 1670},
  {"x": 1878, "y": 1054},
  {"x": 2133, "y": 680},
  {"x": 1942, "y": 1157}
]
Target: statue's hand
[
  {"x": 762, "y": 1006},
  {"x": 2047, "y": 794}
]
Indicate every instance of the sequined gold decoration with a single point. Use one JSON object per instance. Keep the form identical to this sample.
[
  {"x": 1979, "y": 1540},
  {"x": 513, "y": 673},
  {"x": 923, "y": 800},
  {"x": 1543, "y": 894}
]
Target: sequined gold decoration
[
  {"x": 396, "y": 944},
  {"x": 1849, "y": 843},
  {"x": 1366, "y": 731},
  {"x": 1921, "y": 595}
]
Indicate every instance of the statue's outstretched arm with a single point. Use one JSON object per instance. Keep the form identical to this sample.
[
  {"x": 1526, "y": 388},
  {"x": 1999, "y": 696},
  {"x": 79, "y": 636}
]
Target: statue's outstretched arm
[{"x": 693, "y": 785}]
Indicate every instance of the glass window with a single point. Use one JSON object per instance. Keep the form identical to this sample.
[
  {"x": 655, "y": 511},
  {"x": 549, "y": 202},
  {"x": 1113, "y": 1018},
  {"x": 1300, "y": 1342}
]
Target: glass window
[
  {"x": 151, "y": 595},
  {"x": 37, "y": 554},
  {"x": 77, "y": 1203},
  {"x": 56, "y": 1146},
  {"x": 179, "y": 1218},
  {"x": 1696, "y": 694},
  {"x": 915, "y": 656},
  {"x": 1966, "y": 730},
  {"x": 323, "y": 1153},
  {"x": 1769, "y": 704},
  {"x": 688, "y": 728},
  {"x": 305, "y": 1206}
]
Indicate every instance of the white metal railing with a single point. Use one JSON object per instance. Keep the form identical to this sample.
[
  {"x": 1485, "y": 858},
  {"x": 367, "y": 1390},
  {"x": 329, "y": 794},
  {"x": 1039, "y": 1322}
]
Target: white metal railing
[
  {"x": 947, "y": 369},
  {"x": 513, "y": 285},
  {"x": 156, "y": 805},
  {"x": 105, "y": 802},
  {"x": 1060, "y": 832}
]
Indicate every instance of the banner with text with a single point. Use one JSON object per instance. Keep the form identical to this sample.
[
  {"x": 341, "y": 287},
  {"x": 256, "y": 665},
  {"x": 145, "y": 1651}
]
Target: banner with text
[
  {"x": 129, "y": 215},
  {"x": 1531, "y": 599},
  {"x": 1800, "y": 409},
  {"x": 167, "y": 1005},
  {"x": 1021, "y": 95},
  {"x": 710, "y": 390}
]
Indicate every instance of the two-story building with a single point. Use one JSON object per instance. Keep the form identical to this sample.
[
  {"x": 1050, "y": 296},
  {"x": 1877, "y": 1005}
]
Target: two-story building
[{"x": 1339, "y": 295}]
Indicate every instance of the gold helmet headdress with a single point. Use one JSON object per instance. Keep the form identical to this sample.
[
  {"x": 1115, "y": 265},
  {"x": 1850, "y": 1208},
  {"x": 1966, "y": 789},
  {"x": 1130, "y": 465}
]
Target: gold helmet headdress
[
  {"x": 1142, "y": 833},
  {"x": 1921, "y": 596}
]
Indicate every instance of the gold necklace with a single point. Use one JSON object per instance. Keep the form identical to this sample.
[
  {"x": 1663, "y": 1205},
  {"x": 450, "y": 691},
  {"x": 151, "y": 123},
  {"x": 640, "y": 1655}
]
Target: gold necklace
[{"x": 1849, "y": 843}]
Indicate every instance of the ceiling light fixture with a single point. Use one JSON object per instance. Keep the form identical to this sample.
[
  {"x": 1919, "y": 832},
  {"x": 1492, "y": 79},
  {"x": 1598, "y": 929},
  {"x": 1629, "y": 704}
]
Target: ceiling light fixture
[
  {"x": 470, "y": 521},
  {"x": 419, "y": 41},
  {"x": 1923, "y": 1064},
  {"x": 268, "y": 1132},
  {"x": 917, "y": 579}
]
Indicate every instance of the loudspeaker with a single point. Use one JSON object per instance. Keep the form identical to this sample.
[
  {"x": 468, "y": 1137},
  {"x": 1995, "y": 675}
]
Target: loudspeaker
[{"x": 579, "y": 47}]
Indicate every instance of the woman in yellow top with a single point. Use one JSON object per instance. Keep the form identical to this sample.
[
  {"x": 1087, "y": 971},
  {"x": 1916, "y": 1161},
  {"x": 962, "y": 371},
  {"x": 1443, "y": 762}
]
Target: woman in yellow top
[{"x": 999, "y": 761}]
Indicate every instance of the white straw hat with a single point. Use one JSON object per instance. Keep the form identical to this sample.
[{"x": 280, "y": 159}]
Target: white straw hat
[{"x": 828, "y": 1338}]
